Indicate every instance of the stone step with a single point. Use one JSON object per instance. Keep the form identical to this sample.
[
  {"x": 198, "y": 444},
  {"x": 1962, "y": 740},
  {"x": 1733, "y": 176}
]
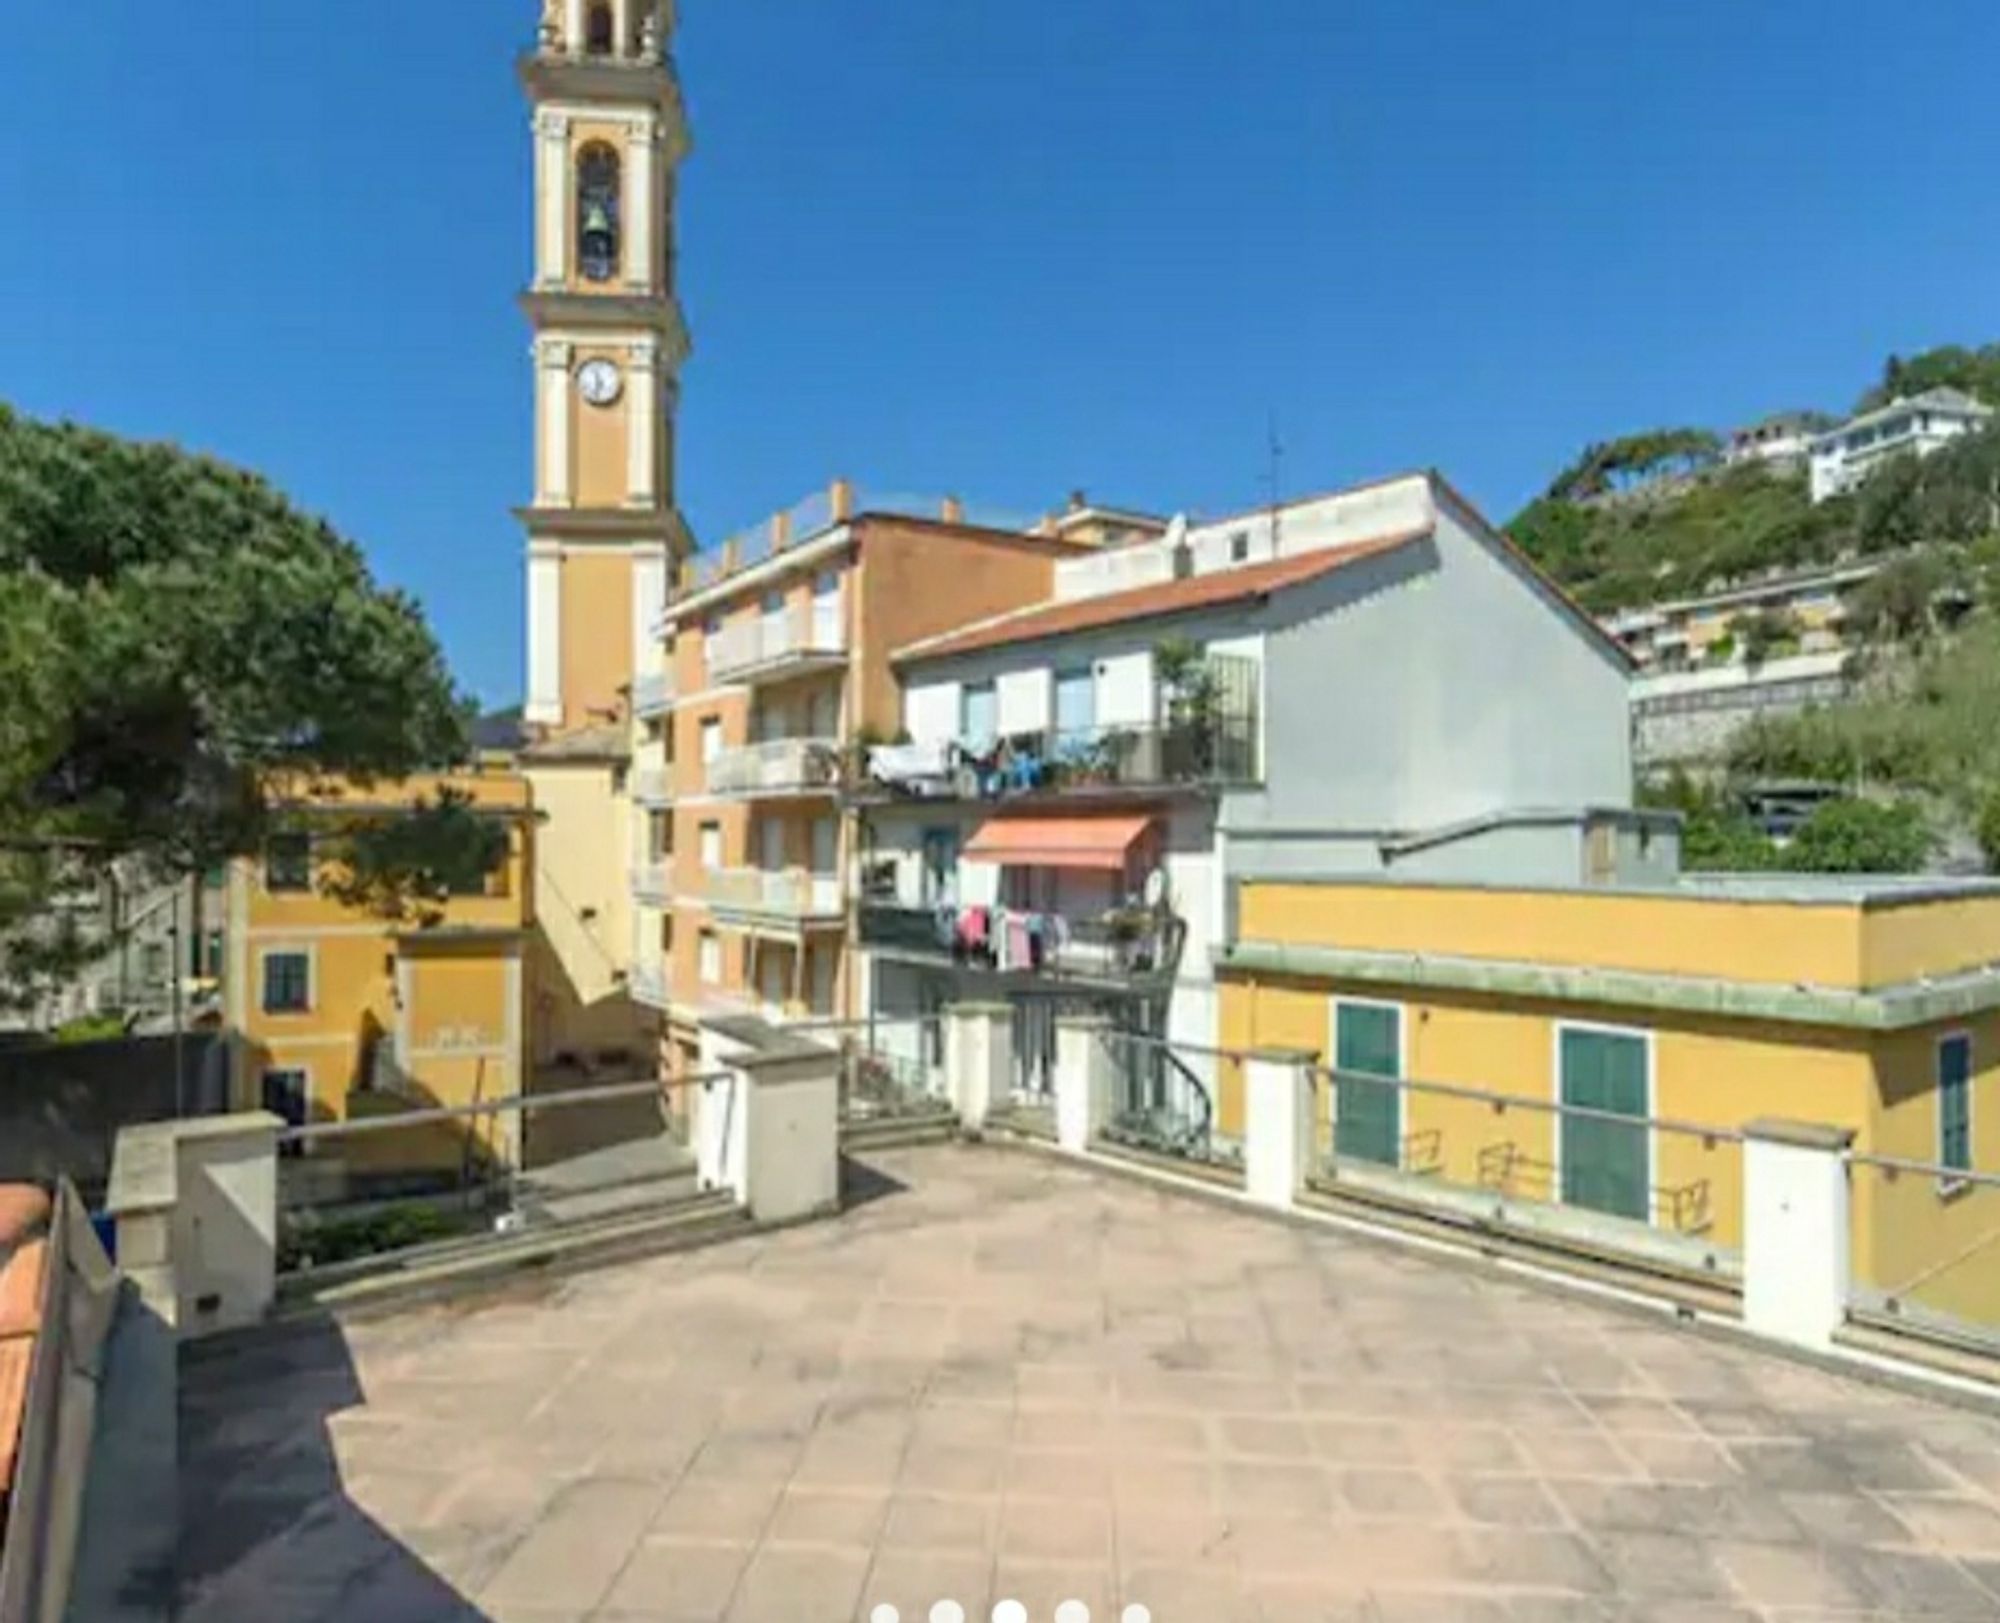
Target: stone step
[{"x": 892, "y": 1132}]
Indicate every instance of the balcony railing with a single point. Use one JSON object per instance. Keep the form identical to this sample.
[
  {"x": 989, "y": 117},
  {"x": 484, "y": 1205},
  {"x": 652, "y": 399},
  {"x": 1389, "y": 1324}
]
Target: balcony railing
[
  {"x": 1212, "y": 752},
  {"x": 781, "y": 766},
  {"x": 653, "y": 787},
  {"x": 775, "y": 644},
  {"x": 783, "y": 892},
  {"x": 652, "y": 694},
  {"x": 1126, "y": 946},
  {"x": 648, "y": 985},
  {"x": 653, "y": 882}
]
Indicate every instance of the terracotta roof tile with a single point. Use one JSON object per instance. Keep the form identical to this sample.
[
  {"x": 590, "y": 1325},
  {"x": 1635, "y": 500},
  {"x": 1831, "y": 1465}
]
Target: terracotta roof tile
[{"x": 1057, "y": 617}]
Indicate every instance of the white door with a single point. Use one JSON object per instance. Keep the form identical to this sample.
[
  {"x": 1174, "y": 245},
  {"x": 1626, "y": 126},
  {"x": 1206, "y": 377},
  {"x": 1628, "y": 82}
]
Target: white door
[
  {"x": 822, "y": 981},
  {"x": 771, "y": 971},
  {"x": 824, "y": 720},
  {"x": 771, "y": 638},
  {"x": 825, "y": 847},
  {"x": 826, "y": 611},
  {"x": 771, "y": 845}
]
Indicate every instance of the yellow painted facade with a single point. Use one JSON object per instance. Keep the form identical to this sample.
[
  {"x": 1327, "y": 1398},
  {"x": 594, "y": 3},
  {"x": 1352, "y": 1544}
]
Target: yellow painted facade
[
  {"x": 1704, "y": 1069},
  {"x": 343, "y": 1014}
]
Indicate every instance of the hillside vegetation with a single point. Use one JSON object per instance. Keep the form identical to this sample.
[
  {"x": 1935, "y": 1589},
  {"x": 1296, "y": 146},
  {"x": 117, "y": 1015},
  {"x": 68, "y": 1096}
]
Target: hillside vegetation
[{"x": 1709, "y": 525}]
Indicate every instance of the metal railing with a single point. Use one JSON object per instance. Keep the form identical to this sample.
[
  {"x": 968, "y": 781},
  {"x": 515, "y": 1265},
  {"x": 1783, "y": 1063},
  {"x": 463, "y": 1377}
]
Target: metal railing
[
  {"x": 393, "y": 1178},
  {"x": 1924, "y": 1256},
  {"x": 648, "y": 984},
  {"x": 652, "y": 694},
  {"x": 1650, "y": 1190},
  {"x": 1218, "y": 751},
  {"x": 776, "y": 766},
  {"x": 41, "y": 1529},
  {"x": 801, "y": 632},
  {"x": 890, "y": 1066},
  {"x": 785, "y": 892},
  {"x": 653, "y": 882},
  {"x": 1117, "y": 946},
  {"x": 1164, "y": 1098}
]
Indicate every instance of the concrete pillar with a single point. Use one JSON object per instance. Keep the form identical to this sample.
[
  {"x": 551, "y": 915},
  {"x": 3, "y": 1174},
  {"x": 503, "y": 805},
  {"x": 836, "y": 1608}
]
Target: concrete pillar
[
  {"x": 979, "y": 1060},
  {"x": 642, "y": 146},
  {"x": 768, "y": 1130},
  {"x": 552, "y": 198},
  {"x": 573, "y": 30},
  {"x": 553, "y": 360},
  {"x": 1796, "y": 1240},
  {"x": 642, "y": 404},
  {"x": 1277, "y": 1125},
  {"x": 1084, "y": 1076},
  {"x": 196, "y": 1204}
]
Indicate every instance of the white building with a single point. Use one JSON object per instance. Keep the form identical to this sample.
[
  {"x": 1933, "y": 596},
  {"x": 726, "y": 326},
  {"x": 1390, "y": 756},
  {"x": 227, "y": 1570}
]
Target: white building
[
  {"x": 1920, "y": 424},
  {"x": 1782, "y": 441},
  {"x": 1389, "y": 685}
]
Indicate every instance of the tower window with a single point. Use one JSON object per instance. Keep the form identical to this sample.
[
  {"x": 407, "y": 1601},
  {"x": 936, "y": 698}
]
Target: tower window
[
  {"x": 597, "y": 222},
  {"x": 598, "y": 31}
]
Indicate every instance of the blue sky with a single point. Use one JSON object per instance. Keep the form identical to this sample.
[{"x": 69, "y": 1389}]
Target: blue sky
[{"x": 999, "y": 250}]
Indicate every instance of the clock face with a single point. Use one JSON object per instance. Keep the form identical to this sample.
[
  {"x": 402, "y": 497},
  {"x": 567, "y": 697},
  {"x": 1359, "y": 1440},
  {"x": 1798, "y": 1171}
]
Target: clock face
[{"x": 599, "y": 381}]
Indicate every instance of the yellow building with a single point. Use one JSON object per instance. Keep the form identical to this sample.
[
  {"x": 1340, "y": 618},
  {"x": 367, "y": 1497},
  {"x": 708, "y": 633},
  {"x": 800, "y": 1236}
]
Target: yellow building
[
  {"x": 1867, "y": 1005},
  {"x": 344, "y": 1014}
]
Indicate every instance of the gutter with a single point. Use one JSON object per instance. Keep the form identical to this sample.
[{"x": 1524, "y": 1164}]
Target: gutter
[{"x": 1890, "y": 1008}]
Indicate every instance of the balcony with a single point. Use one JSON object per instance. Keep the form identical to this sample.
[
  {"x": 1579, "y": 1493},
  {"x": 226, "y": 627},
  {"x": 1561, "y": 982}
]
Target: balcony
[
  {"x": 648, "y": 986},
  {"x": 779, "y": 647},
  {"x": 1211, "y": 754},
  {"x": 653, "y": 883},
  {"x": 781, "y": 766},
  {"x": 652, "y": 694},
  {"x": 653, "y": 786},
  {"x": 789, "y": 895},
  {"x": 1131, "y": 949}
]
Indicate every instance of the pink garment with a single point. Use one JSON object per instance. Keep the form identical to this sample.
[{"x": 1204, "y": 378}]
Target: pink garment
[
  {"x": 972, "y": 927},
  {"x": 1017, "y": 942}
]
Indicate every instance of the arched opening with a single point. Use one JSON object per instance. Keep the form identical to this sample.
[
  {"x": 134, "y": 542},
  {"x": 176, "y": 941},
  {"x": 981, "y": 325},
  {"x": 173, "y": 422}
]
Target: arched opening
[
  {"x": 598, "y": 232},
  {"x": 599, "y": 31}
]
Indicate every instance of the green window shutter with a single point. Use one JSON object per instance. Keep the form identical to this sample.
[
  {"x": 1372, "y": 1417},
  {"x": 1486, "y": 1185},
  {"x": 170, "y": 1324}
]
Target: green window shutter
[
  {"x": 1954, "y": 1073},
  {"x": 1368, "y": 1039},
  {"x": 1604, "y": 1162}
]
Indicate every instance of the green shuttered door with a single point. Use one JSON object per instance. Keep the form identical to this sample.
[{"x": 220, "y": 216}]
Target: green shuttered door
[
  {"x": 1604, "y": 1162},
  {"x": 1369, "y": 1123}
]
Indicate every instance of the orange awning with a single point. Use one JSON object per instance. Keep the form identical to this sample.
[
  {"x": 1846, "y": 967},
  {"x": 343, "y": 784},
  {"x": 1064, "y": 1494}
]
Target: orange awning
[{"x": 1058, "y": 842}]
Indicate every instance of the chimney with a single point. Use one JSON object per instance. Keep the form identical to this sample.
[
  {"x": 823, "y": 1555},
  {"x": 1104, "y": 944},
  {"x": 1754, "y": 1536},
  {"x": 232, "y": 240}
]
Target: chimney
[{"x": 843, "y": 500}]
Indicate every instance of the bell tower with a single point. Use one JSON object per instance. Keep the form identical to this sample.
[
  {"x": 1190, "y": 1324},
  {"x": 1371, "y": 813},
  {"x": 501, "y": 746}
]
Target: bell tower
[{"x": 603, "y": 529}]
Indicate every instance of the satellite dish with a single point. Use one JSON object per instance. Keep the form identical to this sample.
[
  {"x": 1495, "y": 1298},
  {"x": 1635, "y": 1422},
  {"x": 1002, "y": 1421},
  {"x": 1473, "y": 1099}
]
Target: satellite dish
[{"x": 1156, "y": 887}]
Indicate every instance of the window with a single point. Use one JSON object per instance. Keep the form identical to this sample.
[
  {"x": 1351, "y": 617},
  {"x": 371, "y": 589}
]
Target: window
[
  {"x": 599, "y": 31},
  {"x": 1368, "y": 1122},
  {"x": 1954, "y": 1086},
  {"x": 1076, "y": 704},
  {"x": 711, "y": 958},
  {"x": 978, "y": 714},
  {"x": 711, "y": 846},
  {"x": 1606, "y": 1165},
  {"x": 211, "y": 961},
  {"x": 288, "y": 862},
  {"x": 660, "y": 836},
  {"x": 287, "y": 983},
  {"x": 597, "y": 212},
  {"x": 1239, "y": 547},
  {"x": 711, "y": 739}
]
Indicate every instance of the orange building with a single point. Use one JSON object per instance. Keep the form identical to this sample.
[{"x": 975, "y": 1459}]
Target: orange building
[{"x": 772, "y": 674}]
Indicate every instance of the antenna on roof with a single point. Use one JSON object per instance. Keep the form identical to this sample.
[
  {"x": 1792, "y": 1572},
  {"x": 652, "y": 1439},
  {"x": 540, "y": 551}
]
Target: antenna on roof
[{"x": 1275, "y": 476}]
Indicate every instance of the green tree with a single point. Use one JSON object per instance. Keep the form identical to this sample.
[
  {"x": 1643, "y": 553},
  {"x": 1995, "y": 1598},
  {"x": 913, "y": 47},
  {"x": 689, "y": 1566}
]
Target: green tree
[
  {"x": 181, "y": 647},
  {"x": 1861, "y": 837},
  {"x": 1717, "y": 835},
  {"x": 1767, "y": 634},
  {"x": 1951, "y": 366}
]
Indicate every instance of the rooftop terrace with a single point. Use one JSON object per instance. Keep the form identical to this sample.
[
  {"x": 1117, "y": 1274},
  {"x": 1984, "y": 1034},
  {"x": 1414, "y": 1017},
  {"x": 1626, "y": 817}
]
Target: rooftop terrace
[{"x": 1003, "y": 1376}]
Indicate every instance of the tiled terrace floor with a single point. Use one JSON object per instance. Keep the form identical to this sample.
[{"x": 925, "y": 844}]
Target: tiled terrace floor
[{"x": 1015, "y": 1378}]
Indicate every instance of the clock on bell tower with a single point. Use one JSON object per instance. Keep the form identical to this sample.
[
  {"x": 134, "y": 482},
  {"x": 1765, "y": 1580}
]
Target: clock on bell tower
[{"x": 609, "y": 343}]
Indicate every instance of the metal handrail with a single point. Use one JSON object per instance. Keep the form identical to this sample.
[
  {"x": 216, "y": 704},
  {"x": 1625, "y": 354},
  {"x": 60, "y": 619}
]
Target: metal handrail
[
  {"x": 524, "y": 1103},
  {"x": 1552, "y": 1107},
  {"x": 1142, "y": 1040},
  {"x": 1895, "y": 1165}
]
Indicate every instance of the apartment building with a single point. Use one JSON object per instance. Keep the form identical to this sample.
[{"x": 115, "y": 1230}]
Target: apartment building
[
  {"x": 344, "y": 1014},
  {"x": 1704, "y": 631},
  {"x": 1369, "y": 681},
  {"x": 771, "y": 671},
  {"x": 1914, "y": 425},
  {"x": 1782, "y": 441}
]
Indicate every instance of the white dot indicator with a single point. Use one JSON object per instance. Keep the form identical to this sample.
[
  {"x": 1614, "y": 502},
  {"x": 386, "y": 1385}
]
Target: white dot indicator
[
  {"x": 885, "y": 1613},
  {"x": 1010, "y": 1611},
  {"x": 1072, "y": 1611},
  {"x": 947, "y": 1611},
  {"x": 1135, "y": 1613}
]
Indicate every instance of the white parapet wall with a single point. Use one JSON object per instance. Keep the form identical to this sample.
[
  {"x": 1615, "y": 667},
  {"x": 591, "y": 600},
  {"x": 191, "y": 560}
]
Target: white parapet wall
[{"x": 196, "y": 1207}]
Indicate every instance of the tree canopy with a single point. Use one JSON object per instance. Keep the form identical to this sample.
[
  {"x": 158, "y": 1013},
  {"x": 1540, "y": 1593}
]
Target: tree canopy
[
  {"x": 1951, "y": 366},
  {"x": 180, "y": 647}
]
